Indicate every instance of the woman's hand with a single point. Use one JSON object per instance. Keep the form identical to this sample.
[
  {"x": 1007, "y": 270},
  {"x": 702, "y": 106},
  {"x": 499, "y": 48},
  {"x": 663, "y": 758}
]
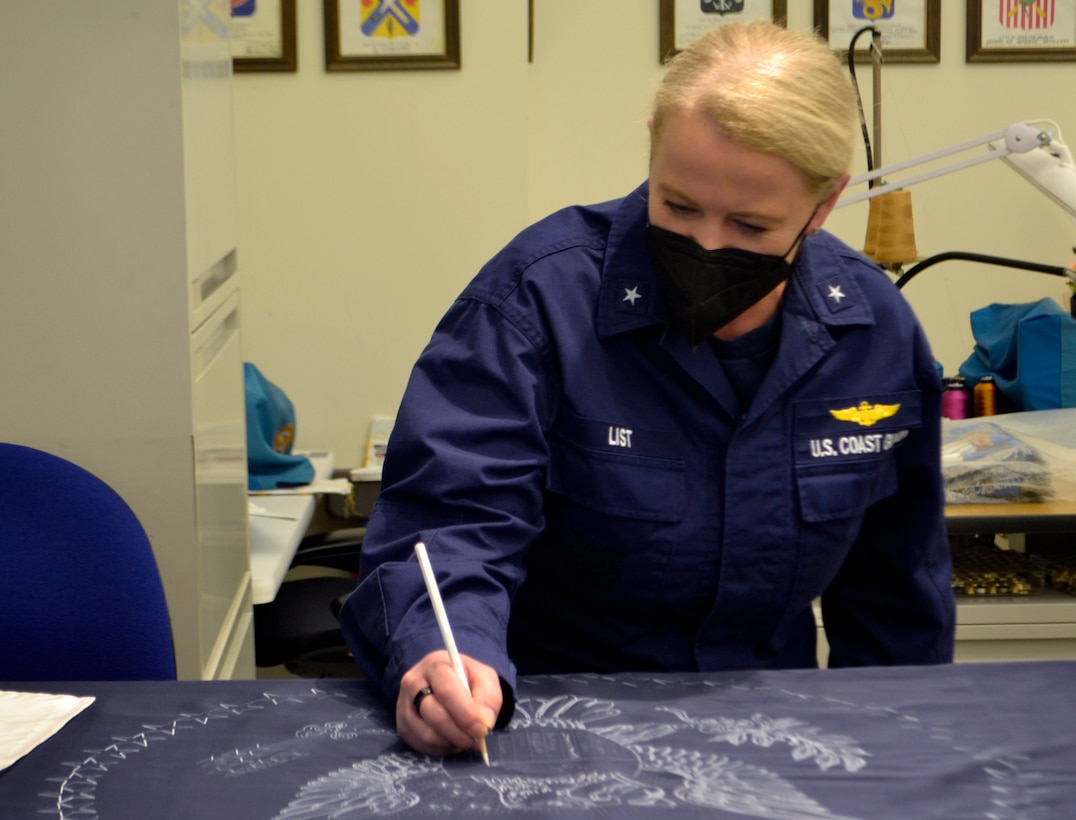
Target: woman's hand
[{"x": 448, "y": 719}]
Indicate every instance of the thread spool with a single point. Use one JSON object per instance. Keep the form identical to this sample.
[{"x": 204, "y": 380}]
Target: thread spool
[
  {"x": 957, "y": 399},
  {"x": 870, "y": 242},
  {"x": 891, "y": 229},
  {"x": 986, "y": 397}
]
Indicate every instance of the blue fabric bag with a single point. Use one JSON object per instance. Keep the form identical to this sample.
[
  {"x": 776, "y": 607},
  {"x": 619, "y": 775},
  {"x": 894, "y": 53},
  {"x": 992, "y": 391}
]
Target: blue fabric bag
[
  {"x": 1029, "y": 349},
  {"x": 270, "y": 433}
]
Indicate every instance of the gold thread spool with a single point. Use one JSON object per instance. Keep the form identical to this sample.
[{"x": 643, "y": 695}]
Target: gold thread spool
[
  {"x": 870, "y": 242},
  {"x": 891, "y": 229},
  {"x": 986, "y": 397}
]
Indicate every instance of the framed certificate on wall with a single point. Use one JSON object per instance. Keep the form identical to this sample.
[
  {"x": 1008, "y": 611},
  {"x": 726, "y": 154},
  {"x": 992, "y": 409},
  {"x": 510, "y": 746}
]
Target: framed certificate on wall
[
  {"x": 910, "y": 29},
  {"x": 681, "y": 22},
  {"x": 1013, "y": 31},
  {"x": 391, "y": 35},
  {"x": 262, "y": 35}
]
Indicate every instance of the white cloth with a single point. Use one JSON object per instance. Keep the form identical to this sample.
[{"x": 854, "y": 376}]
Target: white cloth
[{"x": 28, "y": 719}]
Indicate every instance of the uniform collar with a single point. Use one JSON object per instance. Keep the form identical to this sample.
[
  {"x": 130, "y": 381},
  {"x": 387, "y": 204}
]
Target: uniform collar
[
  {"x": 822, "y": 289},
  {"x": 824, "y": 286},
  {"x": 630, "y": 295}
]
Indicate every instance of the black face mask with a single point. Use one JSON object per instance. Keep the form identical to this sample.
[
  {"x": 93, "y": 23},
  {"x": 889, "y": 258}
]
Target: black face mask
[{"x": 708, "y": 289}]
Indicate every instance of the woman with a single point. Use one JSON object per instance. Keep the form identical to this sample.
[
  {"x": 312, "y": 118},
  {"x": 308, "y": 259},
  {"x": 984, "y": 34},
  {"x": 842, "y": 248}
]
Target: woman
[{"x": 651, "y": 432}]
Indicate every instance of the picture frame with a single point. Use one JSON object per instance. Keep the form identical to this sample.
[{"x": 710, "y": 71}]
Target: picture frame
[
  {"x": 262, "y": 34},
  {"x": 1012, "y": 32},
  {"x": 912, "y": 27},
  {"x": 392, "y": 36},
  {"x": 682, "y": 21}
]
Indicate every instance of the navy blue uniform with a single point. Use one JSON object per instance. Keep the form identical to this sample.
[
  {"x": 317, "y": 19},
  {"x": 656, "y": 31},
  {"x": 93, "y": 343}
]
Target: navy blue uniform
[{"x": 594, "y": 497}]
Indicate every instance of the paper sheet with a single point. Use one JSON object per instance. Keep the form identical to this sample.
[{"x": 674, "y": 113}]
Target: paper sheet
[{"x": 328, "y": 486}]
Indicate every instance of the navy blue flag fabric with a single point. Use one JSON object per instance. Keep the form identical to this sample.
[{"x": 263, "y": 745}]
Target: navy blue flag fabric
[{"x": 993, "y": 741}]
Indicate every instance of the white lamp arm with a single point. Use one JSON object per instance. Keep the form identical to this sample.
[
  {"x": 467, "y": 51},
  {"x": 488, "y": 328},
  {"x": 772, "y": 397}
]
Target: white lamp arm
[{"x": 1018, "y": 139}]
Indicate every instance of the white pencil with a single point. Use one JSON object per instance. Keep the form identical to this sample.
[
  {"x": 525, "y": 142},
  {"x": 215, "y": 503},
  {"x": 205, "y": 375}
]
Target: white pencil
[{"x": 446, "y": 630}]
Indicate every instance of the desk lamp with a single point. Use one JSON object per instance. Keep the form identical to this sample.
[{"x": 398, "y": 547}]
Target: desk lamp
[{"x": 1033, "y": 149}]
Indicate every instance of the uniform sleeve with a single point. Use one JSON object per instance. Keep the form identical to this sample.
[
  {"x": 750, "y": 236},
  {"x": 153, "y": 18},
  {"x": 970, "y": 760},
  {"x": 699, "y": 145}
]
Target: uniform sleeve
[
  {"x": 892, "y": 601},
  {"x": 465, "y": 473}
]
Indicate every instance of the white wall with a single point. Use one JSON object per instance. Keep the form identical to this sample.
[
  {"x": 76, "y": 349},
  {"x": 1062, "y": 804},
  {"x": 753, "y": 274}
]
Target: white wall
[{"x": 369, "y": 199}]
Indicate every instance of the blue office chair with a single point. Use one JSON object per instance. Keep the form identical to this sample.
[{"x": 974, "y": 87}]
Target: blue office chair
[{"x": 80, "y": 593}]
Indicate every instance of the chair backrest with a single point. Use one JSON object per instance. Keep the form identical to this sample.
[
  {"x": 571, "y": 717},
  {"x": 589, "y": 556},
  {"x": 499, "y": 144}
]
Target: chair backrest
[{"x": 80, "y": 592}]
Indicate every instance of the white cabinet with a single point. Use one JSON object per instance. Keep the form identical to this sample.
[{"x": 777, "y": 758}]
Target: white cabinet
[
  {"x": 1033, "y": 628},
  {"x": 120, "y": 302},
  {"x": 1039, "y": 627}
]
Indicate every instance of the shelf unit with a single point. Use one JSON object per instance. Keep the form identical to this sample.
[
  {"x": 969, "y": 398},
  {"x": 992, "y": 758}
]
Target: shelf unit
[{"x": 120, "y": 318}]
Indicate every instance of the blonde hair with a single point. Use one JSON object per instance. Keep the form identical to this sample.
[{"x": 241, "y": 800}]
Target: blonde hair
[{"x": 768, "y": 89}]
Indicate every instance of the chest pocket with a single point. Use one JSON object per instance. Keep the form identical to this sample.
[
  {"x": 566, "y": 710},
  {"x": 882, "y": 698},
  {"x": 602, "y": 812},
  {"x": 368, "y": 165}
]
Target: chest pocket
[
  {"x": 619, "y": 470},
  {"x": 846, "y": 451}
]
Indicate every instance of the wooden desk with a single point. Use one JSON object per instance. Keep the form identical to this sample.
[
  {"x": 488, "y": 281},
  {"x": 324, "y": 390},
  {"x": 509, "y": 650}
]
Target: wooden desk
[
  {"x": 1048, "y": 516},
  {"x": 968, "y": 741}
]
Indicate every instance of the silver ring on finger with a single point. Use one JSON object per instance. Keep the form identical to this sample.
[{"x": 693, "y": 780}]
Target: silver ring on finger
[{"x": 424, "y": 692}]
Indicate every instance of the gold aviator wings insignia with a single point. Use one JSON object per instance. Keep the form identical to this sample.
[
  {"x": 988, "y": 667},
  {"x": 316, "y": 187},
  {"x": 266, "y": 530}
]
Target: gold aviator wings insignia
[{"x": 866, "y": 414}]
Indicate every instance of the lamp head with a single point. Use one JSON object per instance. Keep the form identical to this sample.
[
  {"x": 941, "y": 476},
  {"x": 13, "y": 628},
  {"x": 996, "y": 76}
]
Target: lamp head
[{"x": 1046, "y": 163}]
